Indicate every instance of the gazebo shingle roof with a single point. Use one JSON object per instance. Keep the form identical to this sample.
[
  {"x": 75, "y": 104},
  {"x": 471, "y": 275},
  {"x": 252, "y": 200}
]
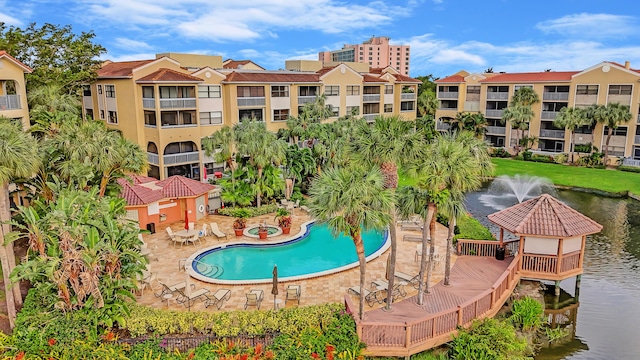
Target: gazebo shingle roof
[
  {"x": 180, "y": 186},
  {"x": 544, "y": 216}
]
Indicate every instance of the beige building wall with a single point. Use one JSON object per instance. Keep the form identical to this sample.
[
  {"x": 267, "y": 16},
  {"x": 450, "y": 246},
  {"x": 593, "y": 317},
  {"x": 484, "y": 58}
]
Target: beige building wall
[
  {"x": 194, "y": 61},
  {"x": 13, "y": 93}
]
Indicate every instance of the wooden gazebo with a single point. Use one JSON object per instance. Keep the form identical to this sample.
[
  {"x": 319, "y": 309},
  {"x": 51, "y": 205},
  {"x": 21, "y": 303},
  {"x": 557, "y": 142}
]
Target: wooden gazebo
[{"x": 552, "y": 237}]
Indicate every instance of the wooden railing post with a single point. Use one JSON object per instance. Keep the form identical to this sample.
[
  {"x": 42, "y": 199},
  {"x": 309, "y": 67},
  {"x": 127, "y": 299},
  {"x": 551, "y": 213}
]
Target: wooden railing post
[
  {"x": 459, "y": 315},
  {"x": 407, "y": 330},
  {"x": 493, "y": 296}
]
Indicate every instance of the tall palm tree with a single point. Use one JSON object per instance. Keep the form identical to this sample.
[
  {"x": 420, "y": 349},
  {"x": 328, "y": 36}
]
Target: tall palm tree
[
  {"x": 18, "y": 159},
  {"x": 53, "y": 98},
  {"x": 518, "y": 116},
  {"x": 571, "y": 118},
  {"x": 387, "y": 143},
  {"x": 427, "y": 103},
  {"x": 220, "y": 144},
  {"x": 611, "y": 116},
  {"x": 350, "y": 200},
  {"x": 525, "y": 96}
]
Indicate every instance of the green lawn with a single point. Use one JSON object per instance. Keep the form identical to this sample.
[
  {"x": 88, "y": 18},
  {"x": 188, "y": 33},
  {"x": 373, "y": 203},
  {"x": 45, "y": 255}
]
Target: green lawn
[{"x": 600, "y": 179}]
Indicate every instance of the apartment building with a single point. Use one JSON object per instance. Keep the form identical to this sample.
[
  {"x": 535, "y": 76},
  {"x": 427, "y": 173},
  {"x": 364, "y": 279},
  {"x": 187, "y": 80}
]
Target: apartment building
[
  {"x": 13, "y": 93},
  {"x": 167, "y": 108},
  {"x": 490, "y": 93},
  {"x": 377, "y": 52}
]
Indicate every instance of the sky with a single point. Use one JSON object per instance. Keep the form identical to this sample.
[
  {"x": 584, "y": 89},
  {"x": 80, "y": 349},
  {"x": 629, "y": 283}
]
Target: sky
[{"x": 445, "y": 36}]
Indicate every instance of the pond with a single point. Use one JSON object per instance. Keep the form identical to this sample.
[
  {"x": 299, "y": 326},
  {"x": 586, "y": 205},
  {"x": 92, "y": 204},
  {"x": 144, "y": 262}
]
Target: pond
[{"x": 608, "y": 311}]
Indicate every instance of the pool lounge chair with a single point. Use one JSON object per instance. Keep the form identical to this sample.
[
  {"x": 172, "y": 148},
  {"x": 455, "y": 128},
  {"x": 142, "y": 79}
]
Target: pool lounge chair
[
  {"x": 356, "y": 290},
  {"x": 410, "y": 280},
  {"x": 215, "y": 230},
  {"x": 188, "y": 298},
  {"x": 397, "y": 292},
  {"x": 376, "y": 296},
  {"x": 414, "y": 238},
  {"x": 171, "y": 289},
  {"x": 217, "y": 299},
  {"x": 254, "y": 298},
  {"x": 293, "y": 293}
]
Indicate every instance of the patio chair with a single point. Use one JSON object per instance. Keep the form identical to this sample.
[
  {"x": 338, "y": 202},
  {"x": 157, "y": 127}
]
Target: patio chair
[
  {"x": 179, "y": 240},
  {"x": 410, "y": 280},
  {"x": 411, "y": 226},
  {"x": 172, "y": 236},
  {"x": 215, "y": 230},
  {"x": 192, "y": 226},
  {"x": 254, "y": 298},
  {"x": 376, "y": 296},
  {"x": 305, "y": 208},
  {"x": 293, "y": 293},
  {"x": 217, "y": 299},
  {"x": 356, "y": 290},
  {"x": 188, "y": 297},
  {"x": 204, "y": 231},
  {"x": 193, "y": 239},
  {"x": 413, "y": 238},
  {"x": 171, "y": 289}
]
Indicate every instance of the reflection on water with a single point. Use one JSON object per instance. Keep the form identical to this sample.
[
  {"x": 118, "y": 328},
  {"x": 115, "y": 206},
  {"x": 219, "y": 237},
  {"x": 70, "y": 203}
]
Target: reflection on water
[{"x": 609, "y": 308}]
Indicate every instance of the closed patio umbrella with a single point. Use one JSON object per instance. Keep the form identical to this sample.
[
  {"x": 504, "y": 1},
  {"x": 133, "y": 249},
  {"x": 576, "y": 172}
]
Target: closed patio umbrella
[
  {"x": 186, "y": 219},
  {"x": 274, "y": 289}
]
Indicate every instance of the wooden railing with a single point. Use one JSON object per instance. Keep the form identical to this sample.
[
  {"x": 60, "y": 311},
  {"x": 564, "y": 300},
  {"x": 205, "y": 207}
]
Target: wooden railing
[
  {"x": 539, "y": 263},
  {"x": 404, "y": 339},
  {"x": 570, "y": 261},
  {"x": 485, "y": 247}
]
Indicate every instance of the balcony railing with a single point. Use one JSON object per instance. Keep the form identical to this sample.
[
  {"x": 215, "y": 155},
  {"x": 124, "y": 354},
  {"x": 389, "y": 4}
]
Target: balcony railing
[
  {"x": 636, "y": 139},
  {"x": 177, "y": 103},
  {"x": 554, "y": 134},
  {"x": 495, "y": 113},
  {"x": 630, "y": 162},
  {"x": 10, "y": 102},
  {"x": 442, "y": 126},
  {"x": 149, "y": 103},
  {"x": 409, "y": 96},
  {"x": 638, "y": 119},
  {"x": 303, "y": 99},
  {"x": 614, "y": 150},
  {"x": 555, "y": 96},
  {"x": 549, "y": 115},
  {"x": 371, "y": 98},
  {"x": 497, "y": 95},
  {"x": 370, "y": 117},
  {"x": 251, "y": 101},
  {"x": 498, "y": 130},
  {"x": 153, "y": 158},
  {"x": 471, "y": 105},
  {"x": 448, "y": 95},
  {"x": 187, "y": 157}
]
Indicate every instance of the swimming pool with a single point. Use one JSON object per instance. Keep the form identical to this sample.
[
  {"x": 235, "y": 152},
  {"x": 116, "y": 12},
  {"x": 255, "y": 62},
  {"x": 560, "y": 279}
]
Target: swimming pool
[{"x": 312, "y": 252}]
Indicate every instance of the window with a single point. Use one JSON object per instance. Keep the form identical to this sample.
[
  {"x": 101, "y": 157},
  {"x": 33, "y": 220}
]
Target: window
[
  {"x": 113, "y": 117},
  {"x": 553, "y": 106},
  {"x": 86, "y": 90},
  {"x": 556, "y": 89},
  {"x": 388, "y": 89},
  {"x": 353, "y": 90},
  {"x": 587, "y": 90},
  {"x": 211, "y": 118},
  {"x": 100, "y": 89},
  {"x": 473, "y": 89},
  {"x": 178, "y": 118},
  {"x": 209, "y": 91},
  {"x": 619, "y": 89},
  {"x": 407, "y": 106},
  {"x": 110, "y": 91},
  {"x": 250, "y": 91},
  {"x": 388, "y": 108},
  {"x": 518, "y": 87},
  {"x": 332, "y": 90},
  {"x": 250, "y": 114},
  {"x": 308, "y": 91},
  {"x": 280, "y": 114},
  {"x": 89, "y": 114},
  {"x": 177, "y": 92},
  {"x": 353, "y": 110},
  {"x": 619, "y": 131},
  {"x": 150, "y": 118},
  {"x": 101, "y": 113},
  {"x": 147, "y": 92},
  {"x": 335, "y": 110},
  {"x": 280, "y": 91}
]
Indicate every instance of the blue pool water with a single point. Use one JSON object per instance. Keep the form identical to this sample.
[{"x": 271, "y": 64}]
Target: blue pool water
[{"x": 316, "y": 251}]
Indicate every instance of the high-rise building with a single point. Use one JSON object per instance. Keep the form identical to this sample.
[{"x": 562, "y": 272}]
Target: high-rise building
[
  {"x": 377, "y": 52},
  {"x": 13, "y": 93}
]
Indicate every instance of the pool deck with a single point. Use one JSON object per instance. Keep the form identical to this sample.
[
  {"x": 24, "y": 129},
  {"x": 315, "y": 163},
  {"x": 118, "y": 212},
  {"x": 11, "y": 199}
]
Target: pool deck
[{"x": 164, "y": 261}]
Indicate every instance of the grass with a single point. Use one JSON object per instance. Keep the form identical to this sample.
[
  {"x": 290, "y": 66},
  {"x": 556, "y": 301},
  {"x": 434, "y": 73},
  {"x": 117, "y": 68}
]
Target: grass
[{"x": 599, "y": 179}]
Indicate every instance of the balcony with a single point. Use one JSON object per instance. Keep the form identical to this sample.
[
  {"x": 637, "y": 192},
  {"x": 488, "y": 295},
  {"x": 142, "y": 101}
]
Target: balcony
[
  {"x": 630, "y": 162},
  {"x": 410, "y": 96},
  {"x": 471, "y": 105},
  {"x": 496, "y": 130},
  {"x": 371, "y": 98},
  {"x": 638, "y": 119},
  {"x": 497, "y": 95},
  {"x": 10, "y": 102},
  {"x": 370, "y": 117},
  {"x": 553, "y": 134},
  {"x": 301, "y": 100},
  {"x": 549, "y": 115},
  {"x": 251, "y": 101},
  {"x": 442, "y": 126},
  {"x": 555, "y": 96},
  {"x": 148, "y": 103},
  {"x": 153, "y": 158},
  {"x": 447, "y": 95},
  {"x": 636, "y": 139},
  {"x": 187, "y": 157},
  {"x": 494, "y": 113},
  {"x": 177, "y": 103}
]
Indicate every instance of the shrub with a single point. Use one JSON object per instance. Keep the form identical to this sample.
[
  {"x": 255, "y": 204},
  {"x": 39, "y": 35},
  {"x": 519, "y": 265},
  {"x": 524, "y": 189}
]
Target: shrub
[
  {"x": 593, "y": 160},
  {"x": 471, "y": 228},
  {"x": 526, "y": 155},
  {"x": 488, "y": 339},
  {"x": 560, "y": 158},
  {"x": 542, "y": 158},
  {"x": 500, "y": 152},
  {"x": 584, "y": 148},
  {"x": 526, "y": 314},
  {"x": 248, "y": 211},
  {"x": 634, "y": 169}
]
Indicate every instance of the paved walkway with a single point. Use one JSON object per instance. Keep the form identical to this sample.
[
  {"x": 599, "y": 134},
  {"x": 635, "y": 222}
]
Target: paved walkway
[{"x": 326, "y": 289}]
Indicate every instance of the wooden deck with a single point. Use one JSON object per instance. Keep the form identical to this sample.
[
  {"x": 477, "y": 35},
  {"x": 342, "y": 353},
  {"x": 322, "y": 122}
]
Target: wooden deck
[{"x": 479, "y": 287}]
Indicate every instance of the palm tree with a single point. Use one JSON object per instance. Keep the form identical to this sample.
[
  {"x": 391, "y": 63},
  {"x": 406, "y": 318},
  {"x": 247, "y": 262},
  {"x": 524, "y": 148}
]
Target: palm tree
[
  {"x": 525, "y": 96},
  {"x": 220, "y": 144},
  {"x": 611, "y": 116},
  {"x": 571, "y": 118},
  {"x": 474, "y": 122},
  {"x": 427, "y": 103},
  {"x": 299, "y": 165},
  {"x": 350, "y": 200},
  {"x": 518, "y": 116},
  {"x": 52, "y": 98},
  {"x": 18, "y": 159},
  {"x": 387, "y": 143}
]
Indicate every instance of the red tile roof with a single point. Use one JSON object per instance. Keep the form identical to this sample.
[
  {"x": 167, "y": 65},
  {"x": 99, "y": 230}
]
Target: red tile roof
[
  {"x": 166, "y": 75},
  {"x": 233, "y": 64},
  {"x": 544, "y": 216},
  {"x": 545, "y": 76},
  {"x": 140, "y": 179},
  {"x": 180, "y": 186},
  {"x": 451, "y": 79},
  {"x": 405, "y": 78},
  {"x": 269, "y": 77},
  {"x": 4, "y": 54},
  {"x": 138, "y": 195},
  {"x": 120, "y": 69},
  {"x": 374, "y": 79}
]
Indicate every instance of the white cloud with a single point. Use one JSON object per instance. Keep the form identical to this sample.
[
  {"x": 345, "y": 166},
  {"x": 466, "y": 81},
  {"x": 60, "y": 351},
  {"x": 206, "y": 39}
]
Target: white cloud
[
  {"x": 128, "y": 57},
  {"x": 586, "y": 25},
  {"x": 130, "y": 44},
  {"x": 9, "y": 20}
]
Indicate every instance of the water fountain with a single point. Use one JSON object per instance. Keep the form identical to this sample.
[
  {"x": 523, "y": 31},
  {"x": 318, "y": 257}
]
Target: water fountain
[{"x": 506, "y": 191}]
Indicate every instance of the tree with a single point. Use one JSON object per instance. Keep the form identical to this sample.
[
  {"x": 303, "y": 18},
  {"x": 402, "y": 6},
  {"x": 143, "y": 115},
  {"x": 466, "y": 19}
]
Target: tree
[
  {"x": 611, "y": 116},
  {"x": 571, "y": 118},
  {"x": 299, "y": 165},
  {"x": 350, "y": 200},
  {"x": 52, "y": 98},
  {"x": 388, "y": 143},
  {"x": 518, "y": 116},
  {"x": 428, "y": 83},
  {"x": 18, "y": 159},
  {"x": 220, "y": 144},
  {"x": 427, "y": 103},
  {"x": 56, "y": 54},
  {"x": 474, "y": 122},
  {"x": 525, "y": 96}
]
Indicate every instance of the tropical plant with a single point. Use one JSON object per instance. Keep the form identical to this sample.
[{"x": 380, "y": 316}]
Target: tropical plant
[
  {"x": 220, "y": 144},
  {"x": 299, "y": 166},
  {"x": 241, "y": 218},
  {"x": 518, "y": 116},
  {"x": 18, "y": 159},
  {"x": 350, "y": 200},
  {"x": 571, "y": 118},
  {"x": 283, "y": 217},
  {"x": 611, "y": 116},
  {"x": 474, "y": 122},
  {"x": 52, "y": 98},
  {"x": 527, "y": 314},
  {"x": 427, "y": 103},
  {"x": 525, "y": 96},
  {"x": 488, "y": 339}
]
